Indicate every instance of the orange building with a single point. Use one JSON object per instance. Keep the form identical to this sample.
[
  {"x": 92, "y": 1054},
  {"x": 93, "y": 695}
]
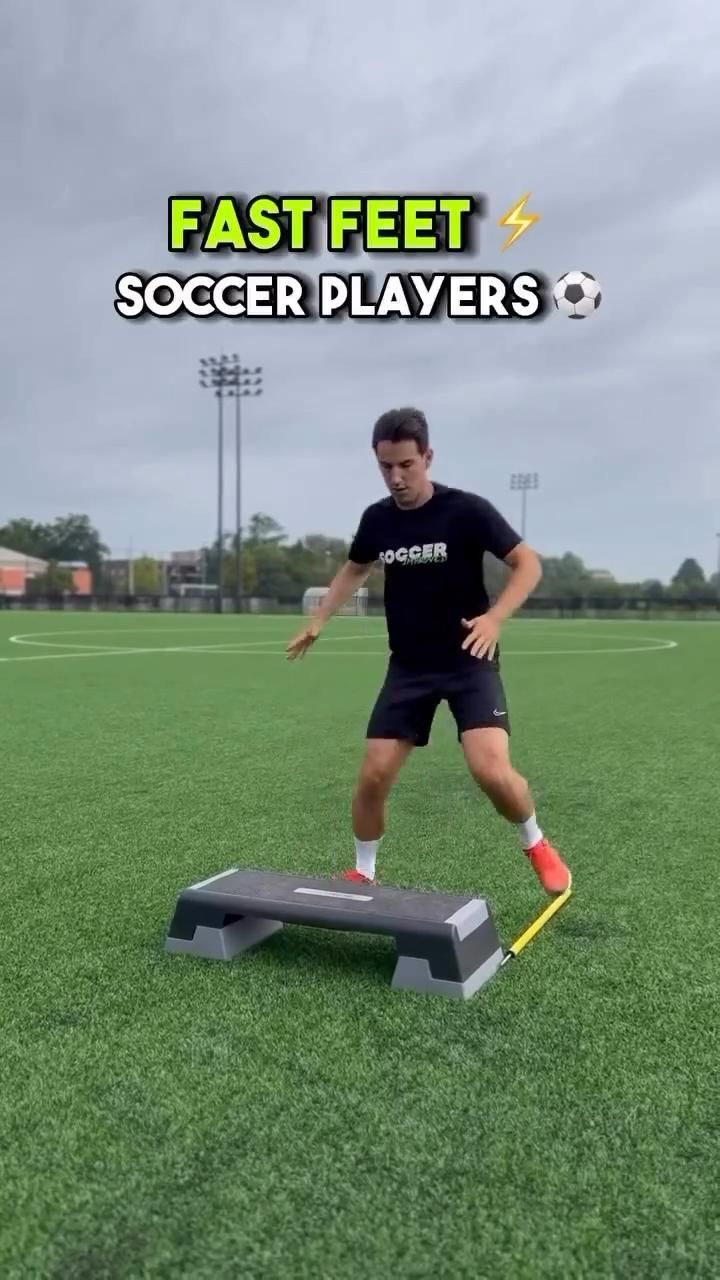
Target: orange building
[
  {"x": 81, "y": 576},
  {"x": 17, "y": 570}
]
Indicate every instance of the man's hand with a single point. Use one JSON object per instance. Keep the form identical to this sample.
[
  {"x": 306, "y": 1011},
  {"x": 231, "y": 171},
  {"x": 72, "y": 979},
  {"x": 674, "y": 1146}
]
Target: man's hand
[
  {"x": 482, "y": 638},
  {"x": 299, "y": 646}
]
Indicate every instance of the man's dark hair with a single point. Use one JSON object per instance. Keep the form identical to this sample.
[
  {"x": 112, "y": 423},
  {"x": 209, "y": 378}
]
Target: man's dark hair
[{"x": 402, "y": 424}]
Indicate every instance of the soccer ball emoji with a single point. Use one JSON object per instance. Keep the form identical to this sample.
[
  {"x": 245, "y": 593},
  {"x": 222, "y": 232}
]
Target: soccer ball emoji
[{"x": 577, "y": 294}]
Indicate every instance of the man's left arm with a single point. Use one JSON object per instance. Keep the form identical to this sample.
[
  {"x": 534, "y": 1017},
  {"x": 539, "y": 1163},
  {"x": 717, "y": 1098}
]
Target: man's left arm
[
  {"x": 525, "y": 574},
  {"x": 525, "y": 567}
]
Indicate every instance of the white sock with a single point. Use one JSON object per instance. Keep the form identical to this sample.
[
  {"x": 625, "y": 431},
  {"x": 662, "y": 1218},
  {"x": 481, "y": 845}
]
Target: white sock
[
  {"x": 529, "y": 832},
  {"x": 365, "y": 855}
]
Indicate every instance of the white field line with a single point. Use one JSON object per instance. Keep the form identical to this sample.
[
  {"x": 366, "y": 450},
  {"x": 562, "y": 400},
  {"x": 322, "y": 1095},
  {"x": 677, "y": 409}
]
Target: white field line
[{"x": 656, "y": 644}]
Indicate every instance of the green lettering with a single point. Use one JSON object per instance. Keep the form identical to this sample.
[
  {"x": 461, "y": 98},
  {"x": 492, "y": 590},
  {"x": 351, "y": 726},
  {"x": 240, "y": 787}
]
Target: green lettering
[
  {"x": 343, "y": 219},
  {"x": 454, "y": 207},
  {"x": 263, "y": 214},
  {"x": 381, "y": 224},
  {"x": 419, "y": 224},
  {"x": 224, "y": 226},
  {"x": 184, "y": 219},
  {"x": 300, "y": 208}
]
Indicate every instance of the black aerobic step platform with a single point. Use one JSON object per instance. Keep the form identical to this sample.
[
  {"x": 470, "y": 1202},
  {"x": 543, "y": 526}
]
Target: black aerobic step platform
[{"x": 447, "y": 944}]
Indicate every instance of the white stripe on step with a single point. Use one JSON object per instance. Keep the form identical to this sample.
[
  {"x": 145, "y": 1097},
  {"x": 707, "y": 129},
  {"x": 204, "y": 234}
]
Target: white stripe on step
[{"x": 330, "y": 893}]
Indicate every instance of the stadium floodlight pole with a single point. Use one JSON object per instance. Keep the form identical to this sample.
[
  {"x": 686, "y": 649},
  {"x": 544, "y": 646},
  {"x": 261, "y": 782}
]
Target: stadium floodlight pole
[
  {"x": 247, "y": 382},
  {"x": 524, "y": 480},
  {"x": 216, "y": 376}
]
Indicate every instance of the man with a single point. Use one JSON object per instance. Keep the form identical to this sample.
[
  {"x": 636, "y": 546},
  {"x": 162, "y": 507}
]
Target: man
[{"x": 443, "y": 638}]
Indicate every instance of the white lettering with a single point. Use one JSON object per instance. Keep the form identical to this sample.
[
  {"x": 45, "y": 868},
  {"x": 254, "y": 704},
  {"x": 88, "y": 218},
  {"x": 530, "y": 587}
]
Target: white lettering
[{"x": 428, "y": 553}]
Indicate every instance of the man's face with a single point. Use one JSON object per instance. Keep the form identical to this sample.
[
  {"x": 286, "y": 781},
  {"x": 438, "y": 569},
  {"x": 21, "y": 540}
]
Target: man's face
[{"x": 405, "y": 471}]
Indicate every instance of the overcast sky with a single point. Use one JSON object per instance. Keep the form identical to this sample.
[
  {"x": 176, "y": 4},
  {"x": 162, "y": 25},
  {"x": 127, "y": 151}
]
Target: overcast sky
[{"x": 606, "y": 113}]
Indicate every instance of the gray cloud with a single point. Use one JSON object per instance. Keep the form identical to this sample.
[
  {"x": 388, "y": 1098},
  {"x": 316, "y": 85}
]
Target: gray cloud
[{"x": 608, "y": 116}]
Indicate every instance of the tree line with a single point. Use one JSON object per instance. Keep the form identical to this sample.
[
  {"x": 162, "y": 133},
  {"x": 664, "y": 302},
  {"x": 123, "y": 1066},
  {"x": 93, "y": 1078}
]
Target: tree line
[{"x": 275, "y": 568}]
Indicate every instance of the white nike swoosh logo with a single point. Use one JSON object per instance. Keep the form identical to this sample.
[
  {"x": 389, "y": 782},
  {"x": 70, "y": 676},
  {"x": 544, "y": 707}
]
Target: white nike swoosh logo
[{"x": 499, "y": 713}]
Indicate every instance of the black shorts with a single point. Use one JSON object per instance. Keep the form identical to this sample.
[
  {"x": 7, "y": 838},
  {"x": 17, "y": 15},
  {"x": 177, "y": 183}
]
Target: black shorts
[{"x": 407, "y": 702}]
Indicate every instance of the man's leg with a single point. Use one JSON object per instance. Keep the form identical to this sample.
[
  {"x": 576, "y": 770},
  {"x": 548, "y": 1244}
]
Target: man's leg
[
  {"x": 477, "y": 701},
  {"x": 400, "y": 720},
  {"x": 487, "y": 752},
  {"x": 383, "y": 760}
]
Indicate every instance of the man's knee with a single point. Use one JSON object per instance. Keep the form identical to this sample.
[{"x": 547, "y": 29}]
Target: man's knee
[
  {"x": 488, "y": 757},
  {"x": 491, "y": 774},
  {"x": 381, "y": 765}
]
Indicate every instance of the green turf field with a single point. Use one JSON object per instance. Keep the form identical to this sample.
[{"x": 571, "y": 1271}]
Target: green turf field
[{"x": 289, "y": 1115}]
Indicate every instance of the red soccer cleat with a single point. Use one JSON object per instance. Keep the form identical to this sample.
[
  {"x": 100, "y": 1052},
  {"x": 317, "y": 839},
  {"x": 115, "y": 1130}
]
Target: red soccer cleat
[
  {"x": 549, "y": 867},
  {"x": 356, "y": 877}
]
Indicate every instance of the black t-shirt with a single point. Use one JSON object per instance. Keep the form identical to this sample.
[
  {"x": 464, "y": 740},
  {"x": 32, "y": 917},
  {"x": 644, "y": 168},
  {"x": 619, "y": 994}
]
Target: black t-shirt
[{"x": 433, "y": 561}]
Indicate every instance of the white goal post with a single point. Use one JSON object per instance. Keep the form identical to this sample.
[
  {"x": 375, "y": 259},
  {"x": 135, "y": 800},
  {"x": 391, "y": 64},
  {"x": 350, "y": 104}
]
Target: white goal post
[{"x": 357, "y": 605}]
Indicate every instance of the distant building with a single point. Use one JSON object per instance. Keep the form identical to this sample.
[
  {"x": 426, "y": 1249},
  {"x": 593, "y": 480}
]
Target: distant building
[
  {"x": 17, "y": 570},
  {"x": 185, "y": 568},
  {"x": 180, "y": 569},
  {"x": 117, "y": 572},
  {"x": 81, "y": 576},
  {"x": 601, "y": 575}
]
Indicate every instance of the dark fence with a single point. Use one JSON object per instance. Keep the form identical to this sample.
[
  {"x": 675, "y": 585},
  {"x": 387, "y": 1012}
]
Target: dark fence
[{"x": 566, "y": 606}]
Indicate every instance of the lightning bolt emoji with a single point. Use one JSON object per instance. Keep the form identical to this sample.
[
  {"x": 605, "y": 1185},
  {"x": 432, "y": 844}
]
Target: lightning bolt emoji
[{"x": 514, "y": 218}]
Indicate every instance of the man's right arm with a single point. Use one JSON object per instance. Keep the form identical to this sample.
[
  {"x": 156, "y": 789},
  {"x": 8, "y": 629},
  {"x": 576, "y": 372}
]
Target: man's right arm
[
  {"x": 343, "y": 586},
  {"x": 362, "y": 554}
]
